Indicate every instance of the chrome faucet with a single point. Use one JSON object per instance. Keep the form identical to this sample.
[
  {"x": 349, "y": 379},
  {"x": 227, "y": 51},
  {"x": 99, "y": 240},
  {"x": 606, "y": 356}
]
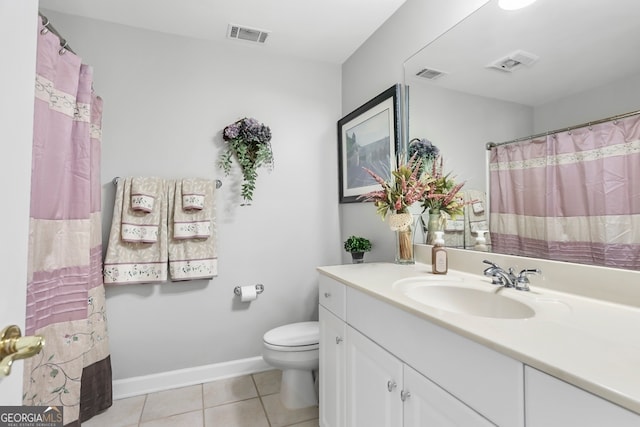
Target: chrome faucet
[{"x": 508, "y": 278}]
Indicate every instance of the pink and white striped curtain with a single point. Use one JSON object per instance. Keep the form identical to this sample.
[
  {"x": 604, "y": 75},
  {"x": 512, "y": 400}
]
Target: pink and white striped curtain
[
  {"x": 65, "y": 293},
  {"x": 571, "y": 196}
]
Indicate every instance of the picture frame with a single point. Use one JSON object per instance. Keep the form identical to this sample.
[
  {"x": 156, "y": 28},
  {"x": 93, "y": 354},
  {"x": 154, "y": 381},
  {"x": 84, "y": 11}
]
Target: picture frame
[{"x": 368, "y": 137}]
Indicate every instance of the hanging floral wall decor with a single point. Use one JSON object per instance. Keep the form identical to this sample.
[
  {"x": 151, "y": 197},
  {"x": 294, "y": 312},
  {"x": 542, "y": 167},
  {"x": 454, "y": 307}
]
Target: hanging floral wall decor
[
  {"x": 248, "y": 141},
  {"x": 425, "y": 150}
]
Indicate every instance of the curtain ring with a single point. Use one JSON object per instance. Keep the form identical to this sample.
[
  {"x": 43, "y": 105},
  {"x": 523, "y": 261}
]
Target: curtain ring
[
  {"x": 45, "y": 25},
  {"x": 63, "y": 49}
]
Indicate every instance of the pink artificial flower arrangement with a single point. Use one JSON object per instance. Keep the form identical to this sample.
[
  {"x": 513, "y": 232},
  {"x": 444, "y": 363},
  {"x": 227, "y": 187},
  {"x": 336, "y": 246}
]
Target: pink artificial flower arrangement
[{"x": 406, "y": 188}]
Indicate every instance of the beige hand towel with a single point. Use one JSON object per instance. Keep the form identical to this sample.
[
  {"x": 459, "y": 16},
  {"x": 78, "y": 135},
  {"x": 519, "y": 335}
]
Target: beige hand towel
[
  {"x": 476, "y": 214},
  {"x": 193, "y": 194},
  {"x": 135, "y": 262},
  {"x": 193, "y": 257},
  {"x": 144, "y": 192},
  {"x": 188, "y": 222},
  {"x": 139, "y": 225}
]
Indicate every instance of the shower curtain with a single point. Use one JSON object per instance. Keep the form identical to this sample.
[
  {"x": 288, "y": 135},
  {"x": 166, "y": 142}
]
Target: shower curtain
[
  {"x": 65, "y": 293},
  {"x": 571, "y": 196}
]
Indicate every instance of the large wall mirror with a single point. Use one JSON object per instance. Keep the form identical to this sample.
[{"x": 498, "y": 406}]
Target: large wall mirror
[{"x": 503, "y": 75}]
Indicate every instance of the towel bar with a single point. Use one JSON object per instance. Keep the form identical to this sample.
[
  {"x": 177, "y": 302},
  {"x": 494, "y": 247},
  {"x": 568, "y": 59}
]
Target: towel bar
[{"x": 117, "y": 178}]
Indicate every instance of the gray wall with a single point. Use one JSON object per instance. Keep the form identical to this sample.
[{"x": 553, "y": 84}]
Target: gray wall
[
  {"x": 461, "y": 124},
  {"x": 18, "y": 29},
  {"x": 376, "y": 66},
  {"x": 166, "y": 101},
  {"x": 615, "y": 98}
]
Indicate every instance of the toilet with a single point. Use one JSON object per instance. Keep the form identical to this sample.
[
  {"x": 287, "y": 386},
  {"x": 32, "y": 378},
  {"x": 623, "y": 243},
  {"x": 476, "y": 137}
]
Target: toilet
[{"x": 293, "y": 348}]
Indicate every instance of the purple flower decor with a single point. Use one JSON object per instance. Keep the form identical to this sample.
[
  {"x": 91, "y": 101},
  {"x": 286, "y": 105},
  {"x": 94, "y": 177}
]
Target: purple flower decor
[
  {"x": 425, "y": 150},
  {"x": 248, "y": 142}
]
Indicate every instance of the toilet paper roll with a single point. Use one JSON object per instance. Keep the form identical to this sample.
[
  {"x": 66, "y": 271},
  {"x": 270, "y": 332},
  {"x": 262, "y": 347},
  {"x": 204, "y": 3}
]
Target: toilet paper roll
[{"x": 248, "y": 293}]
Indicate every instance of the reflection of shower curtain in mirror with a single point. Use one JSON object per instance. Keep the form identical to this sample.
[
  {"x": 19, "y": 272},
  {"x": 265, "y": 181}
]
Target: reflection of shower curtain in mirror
[
  {"x": 572, "y": 196},
  {"x": 65, "y": 293}
]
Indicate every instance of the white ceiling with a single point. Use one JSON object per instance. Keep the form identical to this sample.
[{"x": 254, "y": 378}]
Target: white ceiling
[
  {"x": 322, "y": 30},
  {"x": 581, "y": 44}
]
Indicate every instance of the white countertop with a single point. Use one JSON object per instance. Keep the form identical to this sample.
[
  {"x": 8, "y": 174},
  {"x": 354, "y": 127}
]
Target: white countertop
[{"x": 590, "y": 343}]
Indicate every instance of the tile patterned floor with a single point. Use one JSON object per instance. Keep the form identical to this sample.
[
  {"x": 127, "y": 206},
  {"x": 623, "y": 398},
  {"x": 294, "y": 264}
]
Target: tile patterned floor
[{"x": 246, "y": 401}]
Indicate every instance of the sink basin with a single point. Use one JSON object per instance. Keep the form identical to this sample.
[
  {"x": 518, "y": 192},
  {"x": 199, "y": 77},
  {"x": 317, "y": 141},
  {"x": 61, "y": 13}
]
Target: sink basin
[{"x": 455, "y": 297}]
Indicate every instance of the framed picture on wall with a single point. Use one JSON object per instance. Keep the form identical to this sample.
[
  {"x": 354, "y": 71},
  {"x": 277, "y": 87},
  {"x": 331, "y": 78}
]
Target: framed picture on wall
[{"x": 368, "y": 138}]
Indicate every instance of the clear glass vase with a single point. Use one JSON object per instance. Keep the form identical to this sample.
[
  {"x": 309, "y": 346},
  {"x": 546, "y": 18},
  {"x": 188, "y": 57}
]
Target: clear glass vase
[
  {"x": 436, "y": 223},
  {"x": 402, "y": 225}
]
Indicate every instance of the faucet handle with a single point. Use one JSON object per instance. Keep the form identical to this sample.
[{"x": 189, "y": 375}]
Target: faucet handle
[
  {"x": 489, "y": 271},
  {"x": 528, "y": 271},
  {"x": 522, "y": 281},
  {"x": 492, "y": 264}
]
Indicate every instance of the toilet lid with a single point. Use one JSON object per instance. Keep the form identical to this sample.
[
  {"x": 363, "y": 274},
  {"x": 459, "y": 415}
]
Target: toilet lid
[{"x": 294, "y": 335}]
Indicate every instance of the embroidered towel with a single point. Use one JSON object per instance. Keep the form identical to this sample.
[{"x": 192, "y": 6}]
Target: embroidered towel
[
  {"x": 139, "y": 225},
  {"x": 193, "y": 257},
  {"x": 190, "y": 223},
  {"x": 193, "y": 194},
  {"x": 136, "y": 262},
  {"x": 476, "y": 214},
  {"x": 144, "y": 191}
]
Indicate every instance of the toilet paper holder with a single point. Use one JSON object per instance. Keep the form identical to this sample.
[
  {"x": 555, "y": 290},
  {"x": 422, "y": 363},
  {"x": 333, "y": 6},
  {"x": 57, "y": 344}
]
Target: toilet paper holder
[{"x": 259, "y": 289}]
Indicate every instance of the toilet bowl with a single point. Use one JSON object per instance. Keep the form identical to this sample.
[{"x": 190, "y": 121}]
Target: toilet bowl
[{"x": 293, "y": 348}]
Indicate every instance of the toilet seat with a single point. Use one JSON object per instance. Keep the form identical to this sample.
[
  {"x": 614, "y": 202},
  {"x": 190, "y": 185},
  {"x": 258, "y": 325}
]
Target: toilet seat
[{"x": 302, "y": 336}]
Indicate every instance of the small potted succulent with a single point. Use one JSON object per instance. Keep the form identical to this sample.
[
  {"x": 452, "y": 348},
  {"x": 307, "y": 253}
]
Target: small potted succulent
[{"x": 357, "y": 246}]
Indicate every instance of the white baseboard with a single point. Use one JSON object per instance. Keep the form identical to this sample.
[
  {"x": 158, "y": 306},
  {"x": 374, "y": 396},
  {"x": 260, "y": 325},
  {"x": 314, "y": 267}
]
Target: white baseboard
[{"x": 136, "y": 386}]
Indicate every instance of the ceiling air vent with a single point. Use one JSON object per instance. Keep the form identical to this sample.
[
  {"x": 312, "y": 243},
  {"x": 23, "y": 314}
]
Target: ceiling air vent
[
  {"x": 248, "y": 34},
  {"x": 514, "y": 60},
  {"x": 430, "y": 73}
]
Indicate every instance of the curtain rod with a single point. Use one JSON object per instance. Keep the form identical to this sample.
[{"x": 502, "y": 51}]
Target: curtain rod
[
  {"x": 117, "y": 178},
  {"x": 490, "y": 145},
  {"x": 49, "y": 27}
]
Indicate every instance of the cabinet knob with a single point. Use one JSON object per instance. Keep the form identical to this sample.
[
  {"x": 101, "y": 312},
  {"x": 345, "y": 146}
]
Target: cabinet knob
[
  {"x": 339, "y": 340},
  {"x": 391, "y": 385},
  {"x": 327, "y": 294},
  {"x": 404, "y": 395}
]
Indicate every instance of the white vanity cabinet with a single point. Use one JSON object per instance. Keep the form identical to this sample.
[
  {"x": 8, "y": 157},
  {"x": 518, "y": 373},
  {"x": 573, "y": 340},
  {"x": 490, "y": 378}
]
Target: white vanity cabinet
[
  {"x": 333, "y": 363},
  {"x": 364, "y": 383},
  {"x": 333, "y": 354},
  {"x": 551, "y": 402},
  {"x": 382, "y": 391},
  {"x": 426, "y": 404},
  {"x": 488, "y": 382},
  {"x": 374, "y": 384}
]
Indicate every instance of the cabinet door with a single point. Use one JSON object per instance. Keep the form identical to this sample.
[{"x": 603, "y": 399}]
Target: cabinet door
[
  {"x": 426, "y": 404},
  {"x": 333, "y": 361},
  {"x": 374, "y": 382},
  {"x": 551, "y": 402}
]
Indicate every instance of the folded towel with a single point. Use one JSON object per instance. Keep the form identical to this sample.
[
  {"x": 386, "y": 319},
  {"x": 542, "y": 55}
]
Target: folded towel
[
  {"x": 144, "y": 191},
  {"x": 189, "y": 223},
  {"x": 139, "y": 225},
  {"x": 476, "y": 214},
  {"x": 136, "y": 262},
  {"x": 193, "y": 257},
  {"x": 193, "y": 194}
]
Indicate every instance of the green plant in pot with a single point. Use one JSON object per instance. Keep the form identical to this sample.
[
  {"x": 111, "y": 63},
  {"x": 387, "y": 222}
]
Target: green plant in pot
[{"x": 357, "y": 246}]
